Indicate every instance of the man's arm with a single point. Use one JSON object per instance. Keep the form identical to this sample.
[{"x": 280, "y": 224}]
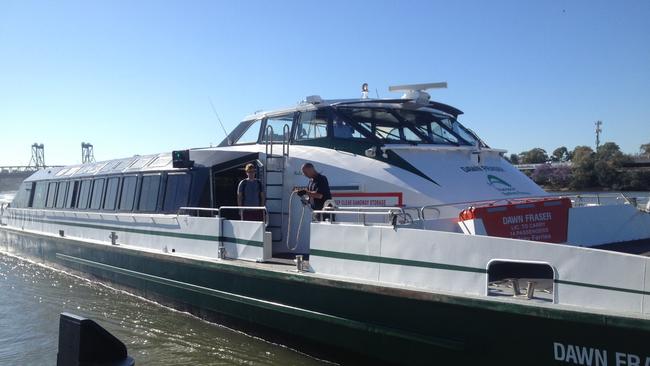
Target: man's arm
[
  {"x": 262, "y": 198},
  {"x": 315, "y": 194}
]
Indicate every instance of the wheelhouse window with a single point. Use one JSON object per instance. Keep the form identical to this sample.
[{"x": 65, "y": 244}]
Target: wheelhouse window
[
  {"x": 84, "y": 194},
  {"x": 439, "y": 128},
  {"x": 246, "y": 133},
  {"x": 312, "y": 125},
  {"x": 279, "y": 125},
  {"x": 149, "y": 190},
  {"x": 400, "y": 125},
  {"x": 344, "y": 130},
  {"x": 127, "y": 198},
  {"x": 61, "y": 194},
  {"x": 51, "y": 194},
  {"x": 98, "y": 191},
  {"x": 382, "y": 124},
  {"x": 110, "y": 198},
  {"x": 177, "y": 191}
]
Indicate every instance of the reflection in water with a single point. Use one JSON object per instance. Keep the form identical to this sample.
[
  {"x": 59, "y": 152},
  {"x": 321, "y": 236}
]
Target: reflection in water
[{"x": 32, "y": 296}]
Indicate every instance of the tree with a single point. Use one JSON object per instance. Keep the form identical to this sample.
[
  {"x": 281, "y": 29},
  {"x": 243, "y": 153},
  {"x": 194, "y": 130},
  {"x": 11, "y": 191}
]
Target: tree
[
  {"x": 645, "y": 149},
  {"x": 637, "y": 180},
  {"x": 534, "y": 156},
  {"x": 583, "y": 160},
  {"x": 608, "y": 164},
  {"x": 552, "y": 176},
  {"x": 514, "y": 159},
  {"x": 560, "y": 154}
]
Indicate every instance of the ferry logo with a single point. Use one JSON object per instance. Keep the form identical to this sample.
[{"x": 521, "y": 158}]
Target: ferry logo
[
  {"x": 502, "y": 186},
  {"x": 492, "y": 180}
]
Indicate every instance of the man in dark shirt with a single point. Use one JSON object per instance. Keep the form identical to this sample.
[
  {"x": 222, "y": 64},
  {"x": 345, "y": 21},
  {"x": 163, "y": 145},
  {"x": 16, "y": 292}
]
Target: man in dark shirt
[
  {"x": 318, "y": 188},
  {"x": 250, "y": 192}
]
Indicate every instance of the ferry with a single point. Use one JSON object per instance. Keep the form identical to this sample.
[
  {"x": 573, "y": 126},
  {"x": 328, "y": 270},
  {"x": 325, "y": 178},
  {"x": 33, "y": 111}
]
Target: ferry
[{"x": 433, "y": 249}]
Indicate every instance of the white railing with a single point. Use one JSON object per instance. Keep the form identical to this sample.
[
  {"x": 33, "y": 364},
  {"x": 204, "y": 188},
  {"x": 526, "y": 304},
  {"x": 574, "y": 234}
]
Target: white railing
[
  {"x": 412, "y": 213},
  {"x": 392, "y": 215},
  {"x": 217, "y": 211},
  {"x": 607, "y": 198}
]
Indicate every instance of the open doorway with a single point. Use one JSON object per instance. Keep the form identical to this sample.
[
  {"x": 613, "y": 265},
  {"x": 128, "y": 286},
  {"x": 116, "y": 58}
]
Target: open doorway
[{"x": 224, "y": 183}]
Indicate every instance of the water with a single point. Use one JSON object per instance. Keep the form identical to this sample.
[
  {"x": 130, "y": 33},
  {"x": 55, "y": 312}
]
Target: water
[{"x": 32, "y": 296}]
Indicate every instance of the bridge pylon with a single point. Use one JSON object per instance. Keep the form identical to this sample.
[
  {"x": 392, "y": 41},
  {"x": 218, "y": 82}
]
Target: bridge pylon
[
  {"x": 38, "y": 156},
  {"x": 87, "y": 153}
]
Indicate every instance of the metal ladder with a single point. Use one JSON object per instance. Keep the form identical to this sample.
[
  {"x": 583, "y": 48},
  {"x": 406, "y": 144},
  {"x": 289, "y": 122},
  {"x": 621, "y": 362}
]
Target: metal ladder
[{"x": 274, "y": 167}]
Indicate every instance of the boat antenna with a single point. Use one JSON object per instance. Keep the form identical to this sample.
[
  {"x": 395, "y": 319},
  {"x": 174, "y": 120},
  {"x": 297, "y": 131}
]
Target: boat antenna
[
  {"x": 377, "y": 92},
  {"x": 219, "y": 119}
]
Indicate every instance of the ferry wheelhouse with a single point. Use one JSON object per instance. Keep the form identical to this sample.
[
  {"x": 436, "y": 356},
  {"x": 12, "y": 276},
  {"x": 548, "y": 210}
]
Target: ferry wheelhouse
[{"x": 432, "y": 241}]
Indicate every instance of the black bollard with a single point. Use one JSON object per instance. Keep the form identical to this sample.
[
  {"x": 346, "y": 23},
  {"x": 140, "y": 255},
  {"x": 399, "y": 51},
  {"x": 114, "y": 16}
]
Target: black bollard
[{"x": 82, "y": 342}]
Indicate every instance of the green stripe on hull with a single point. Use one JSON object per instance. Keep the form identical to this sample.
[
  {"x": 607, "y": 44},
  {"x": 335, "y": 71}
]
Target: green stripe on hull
[
  {"x": 601, "y": 287},
  {"x": 395, "y": 261},
  {"x": 214, "y": 238},
  {"x": 450, "y": 267}
]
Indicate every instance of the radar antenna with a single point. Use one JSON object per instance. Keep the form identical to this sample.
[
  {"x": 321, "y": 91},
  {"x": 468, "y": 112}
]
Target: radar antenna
[
  {"x": 416, "y": 92},
  {"x": 220, "y": 123}
]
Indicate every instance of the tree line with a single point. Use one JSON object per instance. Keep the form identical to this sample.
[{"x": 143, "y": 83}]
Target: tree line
[{"x": 589, "y": 169}]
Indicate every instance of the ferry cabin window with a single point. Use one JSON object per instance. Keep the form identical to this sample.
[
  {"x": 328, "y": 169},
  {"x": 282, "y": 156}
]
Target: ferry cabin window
[
  {"x": 251, "y": 135},
  {"x": 51, "y": 194},
  {"x": 278, "y": 125},
  {"x": 110, "y": 198},
  {"x": 73, "y": 190},
  {"x": 40, "y": 193},
  {"x": 61, "y": 194},
  {"x": 149, "y": 190},
  {"x": 440, "y": 129},
  {"x": 312, "y": 125},
  {"x": 84, "y": 194},
  {"x": 127, "y": 198},
  {"x": 24, "y": 195},
  {"x": 344, "y": 130},
  {"x": 176, "y": 192},
  {"x": 98, "y": 191},
  {"x": 383, "y": 124}
]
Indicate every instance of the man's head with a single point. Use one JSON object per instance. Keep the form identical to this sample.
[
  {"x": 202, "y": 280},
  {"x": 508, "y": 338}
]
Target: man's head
[
  {"x": 250, "y": 170},
  {"x": 308, "y": 170}
]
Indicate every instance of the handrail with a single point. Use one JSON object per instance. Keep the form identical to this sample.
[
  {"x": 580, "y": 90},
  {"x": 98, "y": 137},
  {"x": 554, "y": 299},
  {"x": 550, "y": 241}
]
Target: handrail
[
  {"x": 265, "y": 215},
  {"x": 197, "y": 209},
  {"x": 369, "y": 208},
  {"x": 389, "y": 212},
  {"x": 269, "y": 134},
  {"x": 45, "y": 210},
  {"x": 225, "y": 208},
  {"x": 286, "y": 134}
]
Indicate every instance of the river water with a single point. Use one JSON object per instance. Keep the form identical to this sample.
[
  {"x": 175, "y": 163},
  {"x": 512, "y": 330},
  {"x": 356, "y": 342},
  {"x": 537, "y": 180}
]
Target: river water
[{"x": 33, "y": 295}]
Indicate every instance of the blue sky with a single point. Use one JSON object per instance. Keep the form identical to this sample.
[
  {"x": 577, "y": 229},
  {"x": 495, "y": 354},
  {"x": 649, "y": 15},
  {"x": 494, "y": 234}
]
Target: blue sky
[{"x": 135, "y": 77}]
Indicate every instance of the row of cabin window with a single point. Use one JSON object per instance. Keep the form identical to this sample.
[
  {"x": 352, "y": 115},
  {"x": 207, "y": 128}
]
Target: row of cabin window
[{"x": 127, "y": 193}]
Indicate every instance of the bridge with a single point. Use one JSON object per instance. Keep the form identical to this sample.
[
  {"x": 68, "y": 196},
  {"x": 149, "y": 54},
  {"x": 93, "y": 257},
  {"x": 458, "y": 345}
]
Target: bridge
[
  {"x": 637, "y": 162},
  {"x": 640, "y": 161},
  {"x": 527, "y": 167},
  {"x": 12, "y": 175}
]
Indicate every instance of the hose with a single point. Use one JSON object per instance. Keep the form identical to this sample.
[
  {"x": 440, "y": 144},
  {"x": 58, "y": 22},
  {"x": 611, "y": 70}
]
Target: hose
[{"x": 302, "y": 216}]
